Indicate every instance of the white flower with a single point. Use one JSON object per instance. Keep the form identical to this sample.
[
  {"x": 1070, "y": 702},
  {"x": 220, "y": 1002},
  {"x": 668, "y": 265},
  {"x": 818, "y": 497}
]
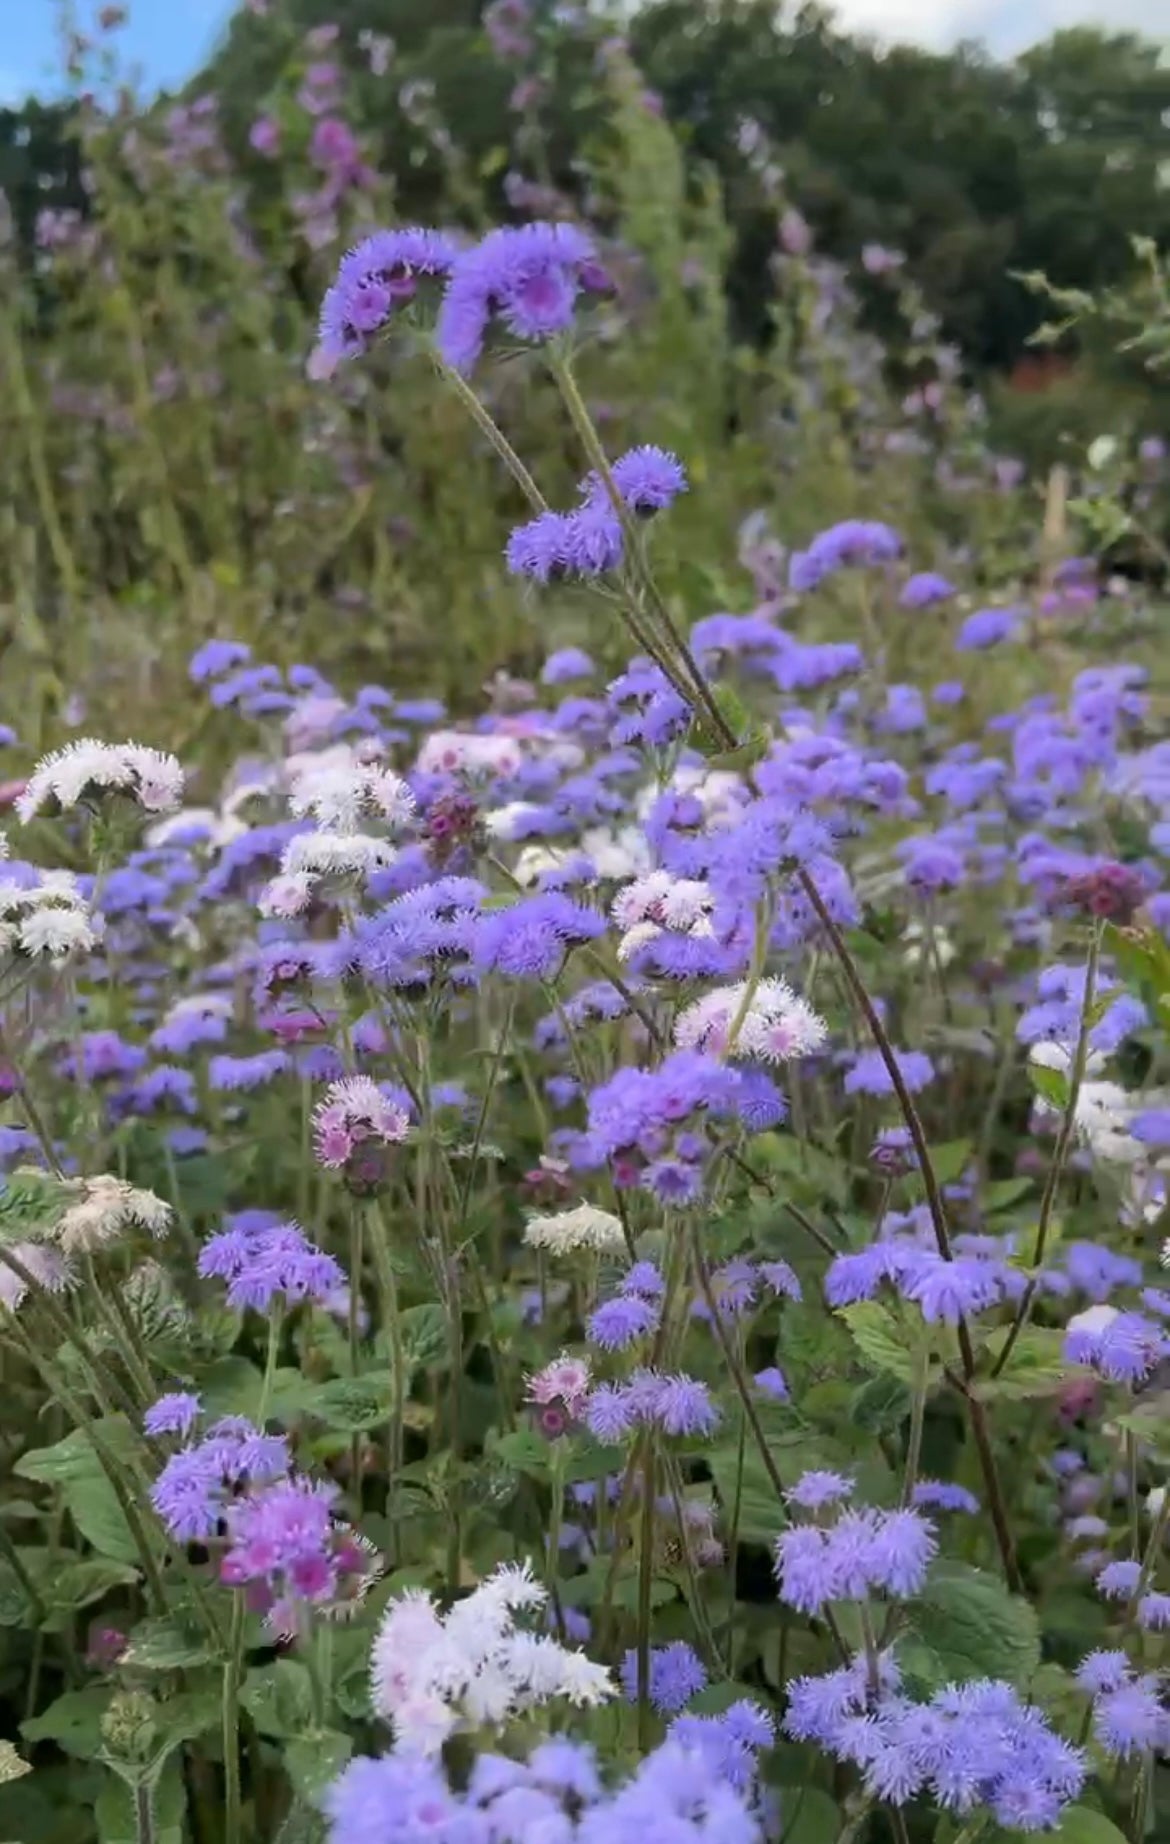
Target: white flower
[
  {"x": 58, "y": 931},
  {"x": 776, "y": 1025},
  {"x": 86, "y": 767},
  {"x": 336, "y": 854},
  {"x": 534, "y": 861},
  {"x": 286, "y": 896},
  {"x": 1093, "y": 1319},
  {"x": 584, "y": 1227},
  {"x": 624, "y": 854},
  {"x": 338, "y": 794},
  {"x": 430, "y": 1673},
  {"x": 500, "y": 821},
  {"x": 659, "y": 901},
  {"x": 46, "y": 1268},
  {"x": 105, "y": 1207},
  {"x": 452, "y": 751}
]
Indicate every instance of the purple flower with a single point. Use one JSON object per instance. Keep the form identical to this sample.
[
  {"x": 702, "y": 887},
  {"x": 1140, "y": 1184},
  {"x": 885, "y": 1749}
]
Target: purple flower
[
  {"x": 781, "y": 1278},
  {"x": 986, "y": 628},
  {"x": 1126, "y": 1349},
  {"x": 869, "y": 1075},
  {"x": 287, "y": 1549},
  {"x": 728, "y": 1743},
  {"x": 215, "y": 657},
  {"x": 1153, "y": 1612},
  {"x": 1119, "y": 1580},
  {"x": 941, "y": 1495},
  {"x": 684, "y": 1406},
  {"x": 234, "y": 1073},
  {"x": 173, "y": 1414},
  {"x": 925, "y": 589},
  {"x": 1131, "y": 1719},
  {"x": 529, "y": 278},
  {"x": 646, "y": 1279},
  {"x": 531, "y": 939},
  {"x": 1101, "y": 1671},
  {"x": 194, "y": 1487},
  {"x": 620, "y": 1321},
  {"x": 376, "y": 276},
  {"x": 610, "y": 1413},
  {"x": 818, "y": 1488},
  {"x": 648, "y": 479},
  {"x": 163, "y": 1089},
  {"x": 676, "y": 1675},
  {"x": 566, "y": 664},
  {"x": 947, "y": 1291},
  {"x": 262, "y": 1264},
  {"x": 771, "y": 1383}
]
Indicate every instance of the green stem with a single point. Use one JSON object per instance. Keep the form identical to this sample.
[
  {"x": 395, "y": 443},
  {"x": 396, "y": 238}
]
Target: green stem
[
  {"x": 144, "y": 1831},
  {"x": 490, "y": 429},
  {"x": 917, "y": 1419},
  {"x": 388, "y": 1296},
  {"x": 275, "y": 1325},
  {"x": 355, "y": 1308},
  {"x": 738, "y": 1376},
  {"x": 645, "y": 1596},
  {"x": 232, "y": 1674},
  {"x": 1061, "y": 1151},
  {"x": 555, "y": 1520}
]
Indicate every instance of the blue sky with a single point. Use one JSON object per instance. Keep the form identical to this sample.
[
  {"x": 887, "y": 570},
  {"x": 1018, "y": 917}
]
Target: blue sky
[{"x": 169, "y": 39}]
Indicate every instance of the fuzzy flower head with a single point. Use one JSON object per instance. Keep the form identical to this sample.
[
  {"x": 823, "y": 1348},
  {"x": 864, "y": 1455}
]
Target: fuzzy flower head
[
  {"x": 1121, "y": 1347},
  {"x": 176, "y": 1413},
  {"x": 353, "y": 1125},
  {"x": 197, "y": 1484},
  {"x": 676, "y": 1675},
  {"x": 767, "y": 1022},
  {"x": 559, "y": 1394},
  {"x": 432, "y": 1674},
  {"x": 288, "y": 1550},
  {"x": 378, "y": 276},
  {"x": 38, "y": 1267},
  {"x": 48, "y": 919},
  {"x": 86, "y": 772},
  {"x": 567, "y": 1232},
  {"x": 103, "y": 1210},
  {"x": 340, "y": 793},
  {"x": 528, "y": 279},
  {"x": 270, "y": 1263}
]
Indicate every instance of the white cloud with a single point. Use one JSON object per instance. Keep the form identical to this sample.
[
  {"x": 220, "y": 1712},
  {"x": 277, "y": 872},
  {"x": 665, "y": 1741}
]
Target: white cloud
[{"x": 1004, "y": 26}]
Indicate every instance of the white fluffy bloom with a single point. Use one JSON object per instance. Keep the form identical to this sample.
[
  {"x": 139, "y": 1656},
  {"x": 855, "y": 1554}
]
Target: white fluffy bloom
[
  {"x": 57, "y": 930},
  {"x": 500, "y": 821},
  {"x": 88, "y": 768},
  {"x": 622, "y": 854},
  {"x": 1103, "y": 1113},
  {"x": 286, "y": 896},
  {"x": 584, "y": 1227},
  {"x": 336, "y": 854},
  {"x": 430, "y": 1673},
  {"x": 776, "y": 1026},
  {"x": 658, "y": 901},
  {"x": 47, "y": 918},
  {"x": 46, "y": 1268},
  {"x": 105, "y": 1207},
  {"x": 452, "y": 751},
  {"x": 338, "y": 794}
]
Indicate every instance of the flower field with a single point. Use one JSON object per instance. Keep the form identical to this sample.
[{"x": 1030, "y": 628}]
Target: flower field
[{"x": 586, "y": 1095}]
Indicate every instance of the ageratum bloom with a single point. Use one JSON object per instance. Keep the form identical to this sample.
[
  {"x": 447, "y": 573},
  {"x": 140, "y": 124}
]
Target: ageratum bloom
[
  {"x": 676, "y": 1675},
  {"x": 378, "y": 275},
  {"x": 86, "y": 771},
  {"x": 197, "y": 1484},
  {"x": 288, "y": 1550},
  {"x": 528, "y": 278},
  {"x": 265, "y": 1264}
]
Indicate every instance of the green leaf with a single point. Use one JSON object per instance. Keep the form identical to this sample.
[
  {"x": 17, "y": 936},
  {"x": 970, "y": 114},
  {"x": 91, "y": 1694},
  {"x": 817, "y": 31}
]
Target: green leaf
[
  {"x": 313, "y": 1762},
  {"x": 1005, "y": 1193},
  {"x": 1084, "y": 1825},
  {"x": 73, "y": 1722},
  {"x": 1037, "y": 1365},
  {"x": 425, "y": 1337},
  {"x": 881, "y": 1405},
  {"x": 1052, "y": 1084},
  {"x": 165, "y": 1645},
  {"x": 950, "y": 1160},
  {"x": 278, "y": 1698},
  {"x": 117, "y": 1820},
  {"x": 349, "y": 1405},
  {"x": 93, "y": 1506},
  {"x": 185, "y": 1717},
  {"x": 79, "y": 1583},
  {"x": 524, "y": 1450},
  {"x": 230, "y": 1386},
  {"x": 808, "y": 1815},
  {"x": 75, "y": 1457},
  {"x": 965, "y": 1624},
  {"x": 882, "y": 1340}
]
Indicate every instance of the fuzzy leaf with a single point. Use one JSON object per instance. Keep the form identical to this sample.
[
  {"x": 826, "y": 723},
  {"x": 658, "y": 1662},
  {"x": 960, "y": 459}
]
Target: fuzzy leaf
[
  {"x": 79, "y": 1583},
  {"x": 313, "y": 1762},
  {"x": 117, "y": 1819},
  {"x": 965, "y": 1624},
  {"x": 1084, "y": 1825},
  {"x": 882, "y": 1341},
  {"x": 278, "y": 1698},
  {"x": 73, "y": 1722},
  {"x": 165, "y": 1645},
  {"x": 1036, "y": 1367}
]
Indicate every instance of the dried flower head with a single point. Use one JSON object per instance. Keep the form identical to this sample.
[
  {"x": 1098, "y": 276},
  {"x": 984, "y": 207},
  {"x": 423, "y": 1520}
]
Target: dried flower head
[
  {"x": 103, "y": 1210},
  {"x": 568, "y": 1231}
]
